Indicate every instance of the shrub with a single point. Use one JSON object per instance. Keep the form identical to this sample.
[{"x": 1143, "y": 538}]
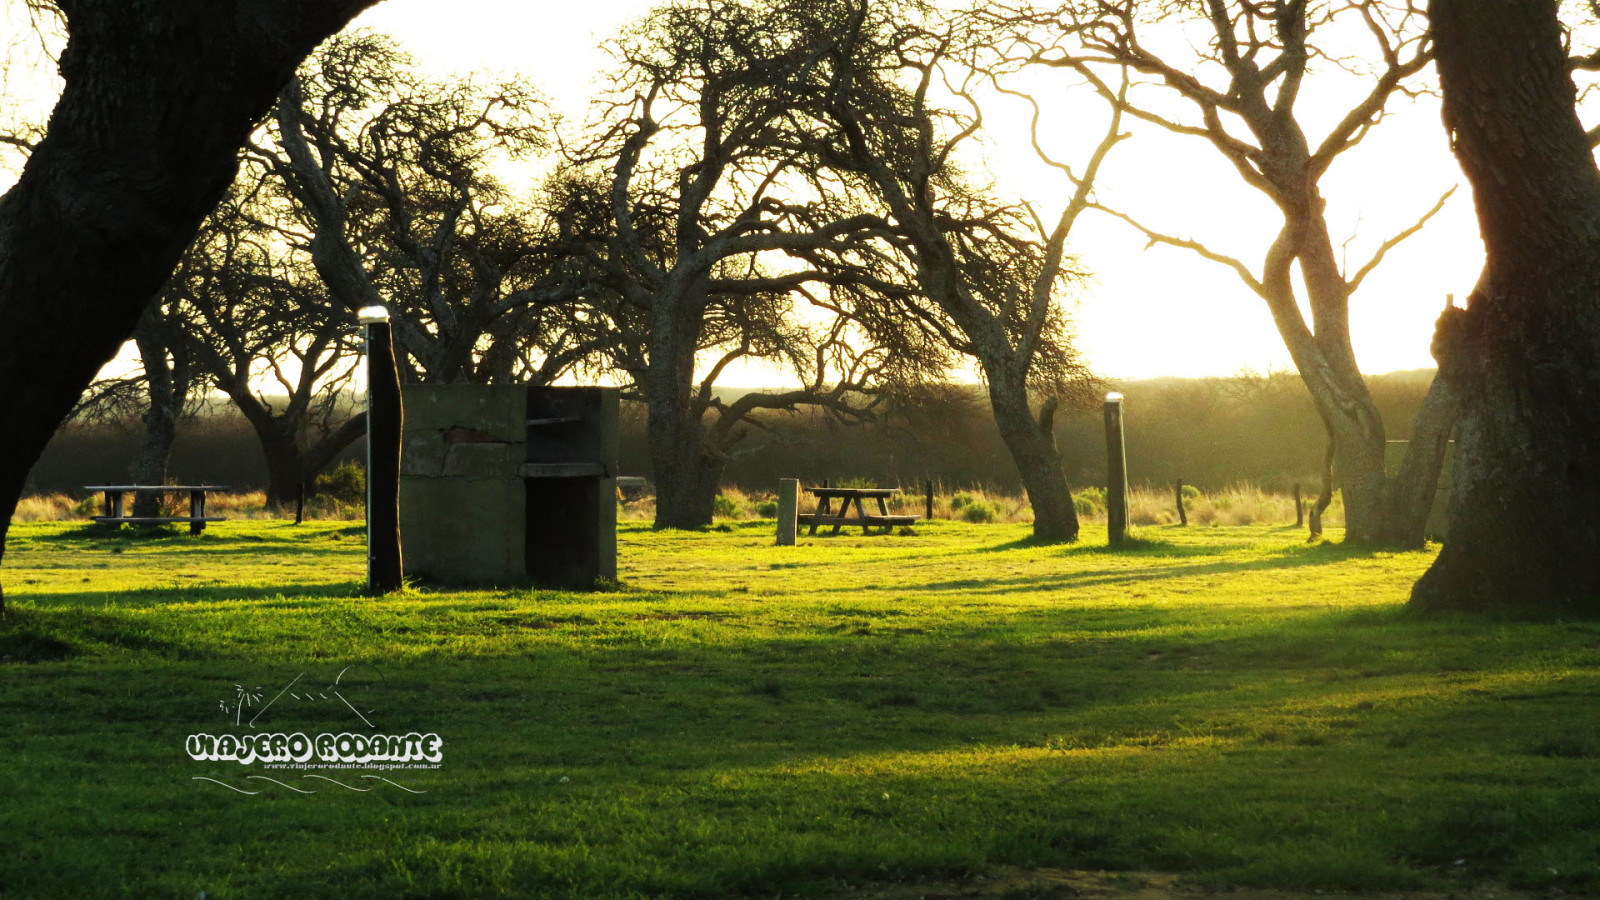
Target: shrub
[
  {"x": 727, "y": 507},
  {"x": 981, "y": 511},
  {"x": 639, "y": 509},
  {"x": 347, "y": 483},
  {"x": 961, "y": 500},
  {"x": 1190, "y": 493},
  {"x": 52, "y": 508},
  {"x": 1089, "y": 501},
  {"x": 767, "y": 509}
]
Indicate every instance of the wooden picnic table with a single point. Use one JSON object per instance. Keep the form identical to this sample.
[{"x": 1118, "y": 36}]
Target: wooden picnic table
[
  {"x": 825, "y": 514},
  {"x": 116, "y": 515}
]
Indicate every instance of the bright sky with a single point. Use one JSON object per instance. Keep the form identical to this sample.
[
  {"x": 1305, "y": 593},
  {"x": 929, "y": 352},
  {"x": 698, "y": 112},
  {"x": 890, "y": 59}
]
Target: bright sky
[{"x": 1148, "y": 312}]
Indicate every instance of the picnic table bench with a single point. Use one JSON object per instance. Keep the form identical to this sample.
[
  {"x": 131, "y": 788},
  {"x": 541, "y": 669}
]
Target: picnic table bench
[
  {"x": 825, "y": 514},
  {"x": 116, "y": 515}
]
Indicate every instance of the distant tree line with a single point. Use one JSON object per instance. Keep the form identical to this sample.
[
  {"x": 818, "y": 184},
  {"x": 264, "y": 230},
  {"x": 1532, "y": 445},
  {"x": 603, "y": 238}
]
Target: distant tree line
[{"x": 1210, "y": 432}]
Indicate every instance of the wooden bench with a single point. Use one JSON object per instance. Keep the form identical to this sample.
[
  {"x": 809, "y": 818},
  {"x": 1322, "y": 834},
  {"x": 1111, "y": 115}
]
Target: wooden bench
[
  {"x": 847, "y": 497},
  {"x": 114, "y": 514}
]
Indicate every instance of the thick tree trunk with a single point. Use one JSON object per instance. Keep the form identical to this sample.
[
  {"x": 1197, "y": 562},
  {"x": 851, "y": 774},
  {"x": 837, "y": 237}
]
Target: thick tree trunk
[
  {"x": 158, "y": 96},
  {"x": 150, "y": 464},
  {"x": 290, "y": 465},
  {"x": 1033, "y": 448},
  {"x": 285, "y": 473},
  {"x": 686, "y": 477},
  {"x": 686, "y": 474},
  {"x": 1524, "y": 356}
]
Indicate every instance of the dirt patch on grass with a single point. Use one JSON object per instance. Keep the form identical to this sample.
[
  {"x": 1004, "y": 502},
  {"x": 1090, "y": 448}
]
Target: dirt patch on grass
[{"x": 1008, "y": 883}]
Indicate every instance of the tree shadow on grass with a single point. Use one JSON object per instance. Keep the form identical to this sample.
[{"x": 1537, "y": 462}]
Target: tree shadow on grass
[
  {"x": 34, "y": 636},
  {"x": 280, "y": 535},
  {"x": 156, "y": 596},
  {"x": 1286, "y": 559},
  {"x": 1134, "y": 546}
]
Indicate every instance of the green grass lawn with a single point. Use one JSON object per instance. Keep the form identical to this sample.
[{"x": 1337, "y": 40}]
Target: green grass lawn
[{"x": 1228, "y": 704}]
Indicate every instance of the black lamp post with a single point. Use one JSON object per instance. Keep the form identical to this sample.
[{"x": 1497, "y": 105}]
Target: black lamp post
[{"x": 385, "y": 571}]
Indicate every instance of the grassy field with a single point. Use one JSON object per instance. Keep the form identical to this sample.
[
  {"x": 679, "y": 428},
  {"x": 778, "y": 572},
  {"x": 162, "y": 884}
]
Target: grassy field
[{"x": 1226, "y": 704}]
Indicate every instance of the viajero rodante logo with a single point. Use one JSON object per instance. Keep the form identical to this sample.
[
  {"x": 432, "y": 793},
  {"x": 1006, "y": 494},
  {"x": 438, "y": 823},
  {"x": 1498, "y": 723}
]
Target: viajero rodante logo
[{"x": 413, "y": 750}]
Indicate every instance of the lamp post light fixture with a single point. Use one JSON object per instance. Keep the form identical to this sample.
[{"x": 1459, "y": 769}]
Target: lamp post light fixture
[
  {"x": 1116, "y": 472},
  {"x": 385, "y": 572}
]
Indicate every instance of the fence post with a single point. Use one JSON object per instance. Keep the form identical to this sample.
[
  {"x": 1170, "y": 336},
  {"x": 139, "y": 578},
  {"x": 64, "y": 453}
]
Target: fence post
[
  {"x": 929, "y": 487},
  {"x": 788, "y": 510},
  {"x": 1116, "y": 472},
  {"x": 1183, "y": 517}
]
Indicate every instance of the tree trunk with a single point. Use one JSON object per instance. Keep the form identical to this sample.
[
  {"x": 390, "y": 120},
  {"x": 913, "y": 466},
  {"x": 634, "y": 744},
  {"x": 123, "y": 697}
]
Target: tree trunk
[
  {"x": 158, "y": 95},
  {"x": 686, "y": 473},
  {"x": 1381, "y": 508},
  {"x": 164, "y": 402},
  {"x": 281, "y": 453},
  {"x": 150, "y": 465},
  {"x": 1033, "y": 448},
  {"x": 1524, "y": 356},
  {"x": 1378, "y": 509},
  {"x": 1325, "y": 498},
  {"x": 686, "y": 478},
  {"x": 1412, "y": 489},
  {"x": 289, "y": 465}
]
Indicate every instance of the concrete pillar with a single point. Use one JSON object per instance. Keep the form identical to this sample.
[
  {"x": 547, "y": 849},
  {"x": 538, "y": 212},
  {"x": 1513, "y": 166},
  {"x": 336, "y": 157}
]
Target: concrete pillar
[{"x": 788, "y": 510}]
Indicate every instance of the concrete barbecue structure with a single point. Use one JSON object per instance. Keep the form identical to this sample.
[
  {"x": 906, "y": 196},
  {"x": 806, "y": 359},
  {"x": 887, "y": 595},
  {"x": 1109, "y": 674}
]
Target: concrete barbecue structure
[{"x": 509, "y": 485}]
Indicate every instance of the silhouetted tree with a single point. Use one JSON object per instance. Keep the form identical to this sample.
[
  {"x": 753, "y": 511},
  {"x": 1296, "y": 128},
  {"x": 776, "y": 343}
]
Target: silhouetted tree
[
  {"x": 158, "y": 96},
  {"x": 1239, "y": 91},
  {"x": 164, "y": 389},
  {"x": 401, "y": 206},
  {"x": 987, "y": 275},
  {"x": 260, "y": 326},
  {"x": 716, "y": 221},
  {"x": 1524, "y": 356}
]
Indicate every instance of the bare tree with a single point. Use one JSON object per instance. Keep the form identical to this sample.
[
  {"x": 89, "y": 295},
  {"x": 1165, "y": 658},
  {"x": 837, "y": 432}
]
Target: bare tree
[
  {"x": 1239, "y": 93},
  {"x": 394, "y": 174},
  {"x": 716, "y": 222},
  {"x": 164, "y": 389},
  {"x": 172, "y": 384},
  {"x": 260, "y": 325},
  {"x": 988, "y": 275},
  {"x": 138, "y": 149}
]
